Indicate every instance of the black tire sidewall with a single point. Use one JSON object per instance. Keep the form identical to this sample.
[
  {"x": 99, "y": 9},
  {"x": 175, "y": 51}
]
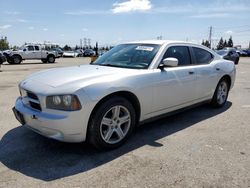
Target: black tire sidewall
[
  {"x": 94, "y": 135},
  {"x": 44, "y": 60}
]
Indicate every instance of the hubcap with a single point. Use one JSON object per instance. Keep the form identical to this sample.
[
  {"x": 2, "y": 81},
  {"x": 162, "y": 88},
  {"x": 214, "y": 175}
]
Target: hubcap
[
  {"x": 16, "y": 60},
  {"x": 222, "y": 92},
  {"x": 51, "y": 59},
  {"x": 115, "y": 124}
]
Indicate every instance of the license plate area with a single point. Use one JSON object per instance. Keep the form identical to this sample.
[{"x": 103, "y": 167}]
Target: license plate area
[{"x": 18, "y": 116}]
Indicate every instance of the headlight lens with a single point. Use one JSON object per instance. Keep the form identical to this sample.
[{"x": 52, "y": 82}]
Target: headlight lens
[
  {"x": 63, "y": 102},
  {"x": 56, "y": 100}
]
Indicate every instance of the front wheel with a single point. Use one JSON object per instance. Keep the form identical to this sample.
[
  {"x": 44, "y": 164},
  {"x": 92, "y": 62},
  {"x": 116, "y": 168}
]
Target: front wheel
[
  {"x": 220, "y": 94},
  {"x": 111, "y": 124},
  {"x": 16, "y": 59}
]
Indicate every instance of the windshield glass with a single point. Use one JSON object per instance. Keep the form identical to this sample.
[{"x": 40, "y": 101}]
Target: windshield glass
[
  {"x": 137, "y": 56},
  {"x": 222, "y": 52}
]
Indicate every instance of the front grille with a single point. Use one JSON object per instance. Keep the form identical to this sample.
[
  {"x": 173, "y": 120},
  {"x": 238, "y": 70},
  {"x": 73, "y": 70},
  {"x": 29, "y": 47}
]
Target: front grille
[
  {"x": 35, "y": 106},
  {"x": 30, "y": 99},
  {"x": 32, "y": 95}
]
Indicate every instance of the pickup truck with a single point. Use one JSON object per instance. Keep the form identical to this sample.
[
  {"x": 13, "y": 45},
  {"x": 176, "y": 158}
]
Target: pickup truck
[{"x": 31, "y": 51}]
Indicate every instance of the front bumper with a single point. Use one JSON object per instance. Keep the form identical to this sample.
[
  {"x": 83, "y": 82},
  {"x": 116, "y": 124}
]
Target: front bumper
[{"x": 67, "y": 127}]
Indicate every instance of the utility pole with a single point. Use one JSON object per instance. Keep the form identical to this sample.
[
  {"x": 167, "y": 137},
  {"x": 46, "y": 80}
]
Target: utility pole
[
  {"x": 89, "y": 42},
  {"x": 210, "y": 36},
  {"x": 81, "y": 43},
  {"x": 85, "y": 42}
]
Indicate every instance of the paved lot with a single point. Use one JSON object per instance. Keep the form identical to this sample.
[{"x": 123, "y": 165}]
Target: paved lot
[{"x": 202, "y": 147}]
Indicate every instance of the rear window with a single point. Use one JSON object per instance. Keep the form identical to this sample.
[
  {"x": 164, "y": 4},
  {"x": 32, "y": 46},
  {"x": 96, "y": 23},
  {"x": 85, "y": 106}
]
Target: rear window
[{"x": 202, "y": 56}]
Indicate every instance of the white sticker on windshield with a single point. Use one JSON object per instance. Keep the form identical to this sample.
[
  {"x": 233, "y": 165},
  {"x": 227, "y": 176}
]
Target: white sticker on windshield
[{"x": 145, "y": 48}]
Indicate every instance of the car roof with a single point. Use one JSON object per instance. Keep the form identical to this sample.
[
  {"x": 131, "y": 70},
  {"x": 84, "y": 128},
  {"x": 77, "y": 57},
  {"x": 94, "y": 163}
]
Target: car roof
[{"x": 160, "y": 42}]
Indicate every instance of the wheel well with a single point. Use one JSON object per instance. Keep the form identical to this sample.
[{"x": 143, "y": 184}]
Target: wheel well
[
  {"x": 228, "y": 79},
  {"x": 50, "y": 55},
  {"x": 125, "y": 94},
  {"x": 17, "y": 56}
]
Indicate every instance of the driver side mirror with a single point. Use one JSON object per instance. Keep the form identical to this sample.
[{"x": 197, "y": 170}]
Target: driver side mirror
[
  {"x": 24, "y": 49},
  {"x": 169, "y": 62}
]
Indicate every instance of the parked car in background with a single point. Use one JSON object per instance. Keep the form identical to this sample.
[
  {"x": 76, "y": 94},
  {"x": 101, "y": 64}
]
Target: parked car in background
[
  {"x": 31, "y": 51},
  {"x": 88, "y": 53},
  {"x": 70, "y": 54},
  {"x": 229, "y": 54},
  {"x": 241, "y": 53},
  {"x": 2, "y": 58},
  {"x": 247, "y": 52},
  {"x": 58, "y": 50},
  {"x": 7, "y": 53},
  {"x": 80, "y": 52},
  {"x": 129, "y": 85}
]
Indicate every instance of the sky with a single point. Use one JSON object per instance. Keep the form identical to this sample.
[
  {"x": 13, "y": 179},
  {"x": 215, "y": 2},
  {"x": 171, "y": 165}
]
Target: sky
[{"x": 112, "y": 22}]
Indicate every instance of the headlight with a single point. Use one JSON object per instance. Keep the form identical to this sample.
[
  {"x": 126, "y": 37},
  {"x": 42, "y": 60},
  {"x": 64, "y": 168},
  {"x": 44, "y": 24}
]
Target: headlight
[{"x": 63, "y": 102}]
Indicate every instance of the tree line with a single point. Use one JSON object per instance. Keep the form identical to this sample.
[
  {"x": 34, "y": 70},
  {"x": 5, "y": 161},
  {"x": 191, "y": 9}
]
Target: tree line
[
  {"x": 4, "y": 44},
  {"x": 221, "y": 44}
]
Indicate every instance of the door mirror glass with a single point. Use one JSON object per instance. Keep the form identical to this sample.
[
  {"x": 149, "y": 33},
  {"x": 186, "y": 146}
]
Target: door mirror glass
[
  {"x": 24, "y": 49},
  {"x": 170, "y": 62}
]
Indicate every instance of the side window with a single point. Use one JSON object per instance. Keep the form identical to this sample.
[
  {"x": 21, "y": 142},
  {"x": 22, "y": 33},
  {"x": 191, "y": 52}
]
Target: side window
[
  {"x": 179, "y": 52},
  {"x": 202, "y": 56},
  {"x": 30, "y": 48},
  {"x": 37, "y": 48}
]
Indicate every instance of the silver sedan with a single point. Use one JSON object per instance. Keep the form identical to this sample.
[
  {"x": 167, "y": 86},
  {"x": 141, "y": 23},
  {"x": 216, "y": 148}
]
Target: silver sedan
[{"x": 131, "y": 84}]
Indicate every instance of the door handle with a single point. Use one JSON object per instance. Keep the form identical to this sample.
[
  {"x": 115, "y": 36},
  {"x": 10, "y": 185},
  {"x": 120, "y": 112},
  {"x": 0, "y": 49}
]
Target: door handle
[
  {"x": 217, "y": 69},
  {"x": 191, "y": 72}
]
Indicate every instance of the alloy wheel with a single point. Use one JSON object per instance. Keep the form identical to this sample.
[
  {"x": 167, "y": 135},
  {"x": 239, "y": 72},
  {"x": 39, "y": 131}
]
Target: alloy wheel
[
  {"x": 115, "y": 124},
  {"x": 222, "y": 92}
]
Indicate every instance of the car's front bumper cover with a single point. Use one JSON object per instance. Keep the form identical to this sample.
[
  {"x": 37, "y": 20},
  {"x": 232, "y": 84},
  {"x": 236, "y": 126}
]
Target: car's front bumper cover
[{"x": 66, "y": 127}]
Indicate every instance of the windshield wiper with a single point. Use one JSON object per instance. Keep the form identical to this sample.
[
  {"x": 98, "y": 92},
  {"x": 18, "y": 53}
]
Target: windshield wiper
[{"x": 109, "y": 65}]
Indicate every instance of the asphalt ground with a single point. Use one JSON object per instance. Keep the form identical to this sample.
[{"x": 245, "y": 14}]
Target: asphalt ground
[{"x": 201, "y": 147}]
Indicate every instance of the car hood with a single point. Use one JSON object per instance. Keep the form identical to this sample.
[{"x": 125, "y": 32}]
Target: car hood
[{"x": 69, "y": 75}]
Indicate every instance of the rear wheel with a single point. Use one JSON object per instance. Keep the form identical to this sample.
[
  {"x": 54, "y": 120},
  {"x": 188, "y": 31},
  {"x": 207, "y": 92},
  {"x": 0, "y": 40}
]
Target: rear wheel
[
  {"x": 111, "y": 124},
  {"x": 221, "y": 93},
  {"x": 51, "y": 59}
]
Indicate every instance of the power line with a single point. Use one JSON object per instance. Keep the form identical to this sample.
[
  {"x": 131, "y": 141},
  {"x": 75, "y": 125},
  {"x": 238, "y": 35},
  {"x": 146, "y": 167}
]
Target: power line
[{"x": 229, "y": 27}]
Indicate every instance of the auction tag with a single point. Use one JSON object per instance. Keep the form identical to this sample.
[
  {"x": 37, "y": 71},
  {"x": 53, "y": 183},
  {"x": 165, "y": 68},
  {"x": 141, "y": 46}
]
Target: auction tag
[{"x": 145, "y": 48}]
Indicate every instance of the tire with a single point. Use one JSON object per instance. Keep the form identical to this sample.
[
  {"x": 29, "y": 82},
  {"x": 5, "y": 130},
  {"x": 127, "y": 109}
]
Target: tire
[
  {"x": 51, "y": 59},
  {"x": 44, "y": 60},
  {"x": 10, "y": 61},
  {"x": 16, "y": 59},
  {"x": 111, "y": 124},
  {"x": 221, "y": 93},
  {"x": 237, "y": 61}
]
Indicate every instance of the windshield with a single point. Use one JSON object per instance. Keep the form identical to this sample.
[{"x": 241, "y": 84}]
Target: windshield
[
  {"x": 222, "y": 52},
  {"x": 137, "y": 56}
]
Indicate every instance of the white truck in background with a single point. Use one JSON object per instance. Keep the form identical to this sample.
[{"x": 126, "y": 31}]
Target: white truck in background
[{"x": 31, "y": 51}]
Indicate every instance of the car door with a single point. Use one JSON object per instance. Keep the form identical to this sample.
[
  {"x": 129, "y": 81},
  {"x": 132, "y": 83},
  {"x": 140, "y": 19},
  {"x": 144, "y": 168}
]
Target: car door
[
  {"x": 205, "y": 72},
  {"x": 29, "y": 52},
  {"x": 174, "y": 86},
  {"x": 37, "y": 52}
]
